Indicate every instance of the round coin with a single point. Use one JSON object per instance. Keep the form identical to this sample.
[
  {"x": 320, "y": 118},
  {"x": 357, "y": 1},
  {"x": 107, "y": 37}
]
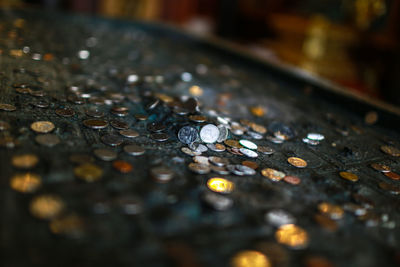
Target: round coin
[
  {"x": 265, "y": 150},
  {"x": 162, "y": 174},
  {"x": 248, "y": 153},
  {"x": 65, "y": 112},
  {"x": 49, "y": 140},
  {"x": 105, "y": 154},
  {"x": 391, "y": 150},
  {"x": 248, "y": 144},
  {"x": 26, "y": 182},
  {"x": 292, "y": 236},
  {"x": 380, "y": 167},
  {"x": 7, "y": 107},
  {"x": 199, "y": 168},
  {"x": 297, "y": 162},
  {"x": 42, "y": 126},
  {"x": 24, "y": 161},
  {"x": 349, "y": 176},
  {"x": 392, "y": 175},
  {"x": 122, "y": 166},
  {"x": 220, "y": 185},
  {"x": 46, "y": 206},
  {"x": 218, "y": 161},
  {"x": 290, "y": 179},
  {"x": 209, "y": 133},
  {"x": 250, "y": 164},
  {"x": 95, "y": 123},
  {"x": 112, "y": 140},
  {"x": 160, "y": 137},
  {"x": 334, "y": 212},
  {"x": 88, "y": 172},
  {"x": 394, "y": 189},
  {"x": 232, "y": 143},
  {"x": 119, "y": 125},
  {"x": 129, "y": 133},
  {"x": 250, "y": 258},
  {"x": 188, "y": 135},
  {"x": 272, "y": 174},
  {"x": 134, "y": 150}
]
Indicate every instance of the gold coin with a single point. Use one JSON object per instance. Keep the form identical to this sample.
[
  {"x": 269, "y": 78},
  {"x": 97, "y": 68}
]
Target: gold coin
[
  {"x": 292, "y": 236},
  {"x": 88, "y": 172},
  {"x": 250, "y": 258},
  {"x": 232, "y": 143},
  {"x": 349, "y": 176},
  {"x": 334, "y": 212},
  {"x": 46, "y": 206},
  {"x": 25, "y": 183},
  {"x": 24, "y": 161},
  {"x": 220, "y": 185},
  {"x": 391, "y": 150},
  {"x": 297, "y": 162},
  {"x": 272, "y": 174},
  {"x": 42, "y": 126}
]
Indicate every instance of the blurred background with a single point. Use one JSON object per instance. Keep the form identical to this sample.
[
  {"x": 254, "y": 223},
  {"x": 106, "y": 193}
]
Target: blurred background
[{"x": 354, "y": 43}]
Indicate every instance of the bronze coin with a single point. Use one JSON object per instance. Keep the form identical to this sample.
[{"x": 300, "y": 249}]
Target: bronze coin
[
  {"x": 392, "y": 175},
  {"x": 26, "y": 182},
  {"x": 349, "y": 176},
  {"x": 122, "y": 166},
  {"x": 380, "y": 167},
  {"x": 391, "y": 150},
  {"x": 46, "y": 206},
  {"x": 294, "y": 180}
]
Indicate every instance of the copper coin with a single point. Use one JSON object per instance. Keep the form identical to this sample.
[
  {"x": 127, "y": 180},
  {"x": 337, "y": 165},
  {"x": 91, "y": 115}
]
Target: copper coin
[
  {"x": 389, "y": 187},
  {"x": 95, "y": 124},
  {"x": 42, "y": 126},
  {"x": 232, "y": 143},
  {"x": 95, "y": 113},
  {"x": 122, "y": 166},
  {"x": 380, "y": 167},
  {"x": 250, "y": 164},
  {"x": 392, "y": 175},
  {"x": 349, "y": 176},
  {"x": 120, "y": 125},
  {"x": 141, "y": 117},
  {"x": 292, "y": 179},
  {"x": 112, "y": 140}
]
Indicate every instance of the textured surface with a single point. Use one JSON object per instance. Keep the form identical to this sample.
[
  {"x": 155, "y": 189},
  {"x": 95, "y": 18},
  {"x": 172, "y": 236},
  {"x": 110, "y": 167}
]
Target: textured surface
[{"x": 174, "y": 227}]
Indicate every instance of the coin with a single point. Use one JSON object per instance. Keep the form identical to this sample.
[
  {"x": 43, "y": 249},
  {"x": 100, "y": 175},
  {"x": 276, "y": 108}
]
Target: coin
[
  {"x": 218, "y": 161},
  {"x": 371, "y": 117},
  {"x": 217, "y": 201},
  {"x": 209, "y": 133},
  {"x": 326, "y": 222},
  {"x": 223, "y": 133},
  {"x": 88, "y": 172},
  {"x": 250, "y": 164},
  {"x": 95, "y": 113},
  {"x": 188, "y": 135},
  {"x": 190, "y": 152},
  {"x": 24, "y": 161},
  {"x": 7, "y": 107},
  {"x": 105, "y": 154},
  {"x": 160, "y": 137},
  {"x": 232, "y": 143},
  {"x": 290, "y": 179},
  {"x": 380, "y": 167},
  {"x": 216, "y": 147},
  {"x": 112, "y": 140},
  {"x": 122, "y": 166},
  {"x": 201, "y": 160},
  {"x": 315, "y": 136},
  {"x": 349, "y": 176},
  {"x": 49, "y": 140},
  {"x": 392, "y": 175},
  {"x": 156, "y": 127},
  {"x": 265, "y": 150},
  {"x": 162, "y": 174},
  {"x": 243, "y": 170},
  {"x": 70, "y": 225},
  {"x": 197, "y": 118},
  {"x": 292, "y": 236},
  {"x": 120, "y": 125},
  {"x": 297, "y": 162},
  {"x": 199, "y": 168},
  {"x": 42, "y": 126},
  {"x": 220, "y": 185},
  {"x": 129, "y": 133},
  {"x": 46, "y": 206},
  {"x": 134, "y": 150},
  {"x": 95, "y": 123},
  {"x": 334, "y": 212},
  {"x": 394, "y": 189},
  {"x": 141, "y": 117},
  {"x": 278, "y": 217},
  {"x": 391, "y": 150},
  {"x": 250, "y": 258},
  {"x": 25, "y": 182},
  {"x": 258, "y": 128},
  {"x": 249, "y": 153},
  {"x": 248, "y": 144},
  {"x": 65, "y": 112},
  {"x": 219, "y": 170},
  {"x": 272, "y": 174}
]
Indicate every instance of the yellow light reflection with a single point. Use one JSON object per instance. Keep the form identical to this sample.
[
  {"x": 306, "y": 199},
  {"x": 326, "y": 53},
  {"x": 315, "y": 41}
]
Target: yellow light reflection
[
  {"x": 292, "y": 236},
  {"x": 220, "y": 185},
  {"x": 250, "y": 258}
]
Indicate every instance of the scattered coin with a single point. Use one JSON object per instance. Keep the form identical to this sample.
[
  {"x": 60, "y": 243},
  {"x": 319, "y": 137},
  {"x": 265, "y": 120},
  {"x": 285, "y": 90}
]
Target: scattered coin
[
  {"x": 95, "y": 123},
  {"x": 134, "y": 150},
  {"x": 105, "y": 154},
  {"x": 250, "y": 164},
  {"x": 162, "y": 174},
  {"x": 7, "y": 107},
  {"x": 199, "y": 168},
  {"x": 209, "y": 133},
  {"x": 88, "y": 172},
  {"x": 232, "y": 143},
  {"x": 160, "y": 137},
  {"x": 46, "y": 207},
  {"x": 42, "y": 126},
  {"x": 392, "y": 175},
  {"x": 220, "y": 185},
  {"x": 265, "y": 150},
  {"x": 65, "y": 112},
  {"x": 380, "y": 167},
  {"x": 188, "y": 135},
  {"x": 216, "y": 147},
  {"x": 297, "y": 162},
  {"x": 129, "y": 133},
  {"x": 278, "y": 217},
  {"x": 248, "y": 144},
  {"x": 334, "y": 212},
  {"x": 219, "y": 170},
  {"x": 315, "y": 136},
  {"x": 391, "y": 150},
  {"x": 156, "y": 127},
  {"x": 120, "y": 125},
  {"x": 95, "y": 113},
  {"x": 49, "y": 140},
  {"x": 250, "y": 258},
  {"x": 290, "y": 179},
  {"x": 112, "y": 140},
  {"x": 218, "y": 161},
  {"x": 349, "y": 176},
  {"x": 292, "y": 236},
  {"x": 197, "y": 118},
  {"x": 217, "y": 201},
  {"x": 25, "y": 182},
  {"x": 272, "y": 174},
  {"x": 248, "y": 153},
  {"x": 394, "y": 189},
  {"x": 201, "y": 160},
  {"x": 24, "y": 161},
  {"x": 223, "y": 133},
  {"x": 190, "y": 152},
  {"x": 122, "y": 166}
]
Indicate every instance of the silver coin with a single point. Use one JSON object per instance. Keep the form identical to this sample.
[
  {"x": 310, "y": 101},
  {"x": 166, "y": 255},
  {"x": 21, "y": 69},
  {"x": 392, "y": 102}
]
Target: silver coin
[
  {"x": 162, "y": 174},
  {"x": 190, "y": 152},
  {"x": 129, "y": 133},
  {"x": 49, "y": 140},
  {"x": 219, "y": 170},
  {"x": 105, "y": 154},
  {"x": 278, "y": 217},
  {"x": 112, "y": 140},
  {"x": 315, "y": 136},
  {"x": 216, "y": 148},
  {"x": 310, "y": 142},
  {"x": 223, "y": 133},
  {"x": 265, "y": 150},
  {"x": 161, "y": 137},
  {"x": 120, "y": 125},
  {"x": 248, "y": 153},
  {"x": 134, "y": 150},
  {"x": 217, "y": 201},
  {"x": 209, "y": 133},
  {"x": 255, "y": 135},
  {"x": 201, "y": 160},
  {"x": 248, "y": 144},
  {"x": 275, "y": 140},
  {"x": 232, "y": 169},
  {"x": 245, "y": 170},
  {"x": 218, "y": 161},
  {"x": 199, "y": 148},
  {"x": 188, "y": 135},
  {"x": 199, "y": 168}
]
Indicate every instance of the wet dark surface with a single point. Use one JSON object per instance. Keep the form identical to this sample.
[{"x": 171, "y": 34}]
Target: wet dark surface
[{"x": 174, "y": 227}]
